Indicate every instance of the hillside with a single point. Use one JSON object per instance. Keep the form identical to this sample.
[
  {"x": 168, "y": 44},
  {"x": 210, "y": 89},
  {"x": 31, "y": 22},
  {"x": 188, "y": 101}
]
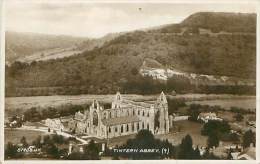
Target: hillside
[
  {"x": 29, "y": 47},
  {"x": 215, "y": 22},
  {"x": 19, "y": 45},
  {"x": 115, "y": 65}
]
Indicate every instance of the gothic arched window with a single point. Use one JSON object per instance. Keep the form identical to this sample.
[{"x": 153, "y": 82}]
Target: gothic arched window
[
  {"x": 143, "y": 125},
  {"x": 95, "y": 118},
  {"x": 138, "y": 126},
  {"x": 143, "y": 113},
  {"x": 95, "y": 104},
  {"x": 122, "y": 129},
  {"x": 109, "y": 130},
  {"x": 156, "y": 119},
  {"x": 104, "y": 115},
  {"x": 148, "y": 126},
  {"x": 127, "y": 127}
]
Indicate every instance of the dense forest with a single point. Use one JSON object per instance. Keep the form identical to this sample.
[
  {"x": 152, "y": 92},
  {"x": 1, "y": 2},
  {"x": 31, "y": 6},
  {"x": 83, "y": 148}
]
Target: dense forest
[{"x": 115, "y": 65}]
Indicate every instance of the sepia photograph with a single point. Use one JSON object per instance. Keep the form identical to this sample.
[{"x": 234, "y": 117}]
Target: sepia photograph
[{"x": 129, "y": 80}]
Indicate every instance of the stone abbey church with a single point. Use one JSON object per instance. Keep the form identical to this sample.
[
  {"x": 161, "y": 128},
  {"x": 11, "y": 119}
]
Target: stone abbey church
[{"x": 125, "y": 117}]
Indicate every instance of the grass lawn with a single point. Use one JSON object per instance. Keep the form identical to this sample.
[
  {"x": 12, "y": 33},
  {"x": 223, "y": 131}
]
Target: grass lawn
[
  {"x": 120, "y": 140},
  {"x": 186, "y": 127},
  {"x": 226, "y": 115},
  {"x": 15, "y": 135},
  {"x": 19, "y": 105},
  {"x": 249, "y": 104}
]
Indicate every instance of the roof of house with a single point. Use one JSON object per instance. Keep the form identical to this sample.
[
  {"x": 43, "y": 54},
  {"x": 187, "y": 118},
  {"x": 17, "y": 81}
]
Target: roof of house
[{"x": 120, "y": 120}]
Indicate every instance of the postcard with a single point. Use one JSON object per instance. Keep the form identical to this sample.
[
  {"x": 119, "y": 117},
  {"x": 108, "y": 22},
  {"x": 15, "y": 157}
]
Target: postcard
[{"x": 129, "y": 80}]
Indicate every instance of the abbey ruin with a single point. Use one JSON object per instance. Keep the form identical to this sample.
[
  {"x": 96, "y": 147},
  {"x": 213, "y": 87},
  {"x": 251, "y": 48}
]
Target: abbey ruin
[{"x": 123, "y": 118}]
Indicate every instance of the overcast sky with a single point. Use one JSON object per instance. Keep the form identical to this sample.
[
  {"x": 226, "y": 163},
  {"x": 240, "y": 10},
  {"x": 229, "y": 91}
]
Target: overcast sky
[{"x": 96, "y": 20}]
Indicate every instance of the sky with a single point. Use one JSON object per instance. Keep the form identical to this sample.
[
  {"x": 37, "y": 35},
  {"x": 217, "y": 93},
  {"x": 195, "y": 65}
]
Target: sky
[{"x": 94, "y": 20}]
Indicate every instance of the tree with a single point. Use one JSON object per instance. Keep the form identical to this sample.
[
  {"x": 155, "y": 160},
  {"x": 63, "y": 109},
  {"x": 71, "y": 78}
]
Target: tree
[
  {"x": 134, "y": 71},
  {"x": 215, "y": 127},
  {"x": 145, "y": 140},
  {"x": 178, "y": 83},
  {"x": 24, "y": 142},
  {"x": 47, "y": 140},
  {"x": 51, "y": 149},
  {"x": 196, "y": 153},
  {"x": 16, "y": 67},
  {"x": 213, "y": 140},
  {"x": 175, "y": 104},
  {"x": 186, "y": 150},
  {"x": 11, "y": 151},
  {"x": 92, "y": 151},
  {"x": 32, "y": 115},
  {"x": 194, "y": 112},
  {"x": 59, "y": 139},
  {"x": 239, "y": 117},
  {"x": 37, "y": 142},
  {"x": 233, "y": 137},
  {"x": 248, "y": 138}
]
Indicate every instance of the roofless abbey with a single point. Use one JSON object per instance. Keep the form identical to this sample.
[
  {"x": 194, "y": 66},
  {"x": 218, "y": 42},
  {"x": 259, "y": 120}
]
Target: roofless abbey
[{"x": 125, "y": 117}]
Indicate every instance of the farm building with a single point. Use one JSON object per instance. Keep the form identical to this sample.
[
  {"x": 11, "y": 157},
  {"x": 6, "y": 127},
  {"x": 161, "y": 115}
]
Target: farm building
[{"x": 205, "y": 117}]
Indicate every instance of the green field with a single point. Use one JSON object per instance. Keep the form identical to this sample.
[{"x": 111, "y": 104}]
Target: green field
[
  {"x": 175, "y": 137},
  {"x": 186, "y": 127},
  {"x": 18, "y": 105},
  {"x": 15, "y": 135},
  {"x": 228, "y": 103}
]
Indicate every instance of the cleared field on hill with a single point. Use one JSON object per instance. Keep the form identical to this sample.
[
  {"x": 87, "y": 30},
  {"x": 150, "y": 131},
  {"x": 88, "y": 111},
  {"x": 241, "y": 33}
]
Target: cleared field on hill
[
  {"x": 228, "y": 103},
  {"x": 50, "y": 54}
]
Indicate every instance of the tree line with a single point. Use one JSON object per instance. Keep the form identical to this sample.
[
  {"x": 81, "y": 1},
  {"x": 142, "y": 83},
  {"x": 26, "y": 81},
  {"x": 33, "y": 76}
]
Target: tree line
[
  {"x": 34, "y": 114},
  {"x": 180, "y": 84},
  {"x": 133, "y": 83}
]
